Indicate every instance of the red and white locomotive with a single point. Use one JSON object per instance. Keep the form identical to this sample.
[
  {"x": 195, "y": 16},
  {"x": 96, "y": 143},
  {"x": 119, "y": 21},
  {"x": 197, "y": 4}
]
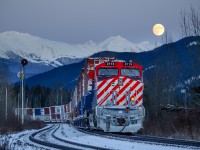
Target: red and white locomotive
[{"x": 109, "y": 96}]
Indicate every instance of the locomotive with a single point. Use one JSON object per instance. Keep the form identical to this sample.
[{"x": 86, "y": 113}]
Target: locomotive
[{"x": 109, "y": 96}]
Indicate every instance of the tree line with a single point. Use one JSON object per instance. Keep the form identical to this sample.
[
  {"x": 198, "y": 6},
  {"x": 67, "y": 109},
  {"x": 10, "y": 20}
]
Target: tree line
[{"x": 180, "y": 118}]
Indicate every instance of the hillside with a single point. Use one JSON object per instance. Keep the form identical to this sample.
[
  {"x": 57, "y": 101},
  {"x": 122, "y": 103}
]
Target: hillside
[{"x": 179, "y": 60}]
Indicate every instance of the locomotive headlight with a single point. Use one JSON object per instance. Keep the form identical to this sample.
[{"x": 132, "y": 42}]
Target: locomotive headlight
[{"x": 133, "y": 103}]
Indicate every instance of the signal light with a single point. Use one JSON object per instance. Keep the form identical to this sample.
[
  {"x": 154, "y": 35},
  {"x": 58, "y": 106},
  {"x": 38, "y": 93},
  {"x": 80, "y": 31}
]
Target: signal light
[{"x": 24, "y": 62}]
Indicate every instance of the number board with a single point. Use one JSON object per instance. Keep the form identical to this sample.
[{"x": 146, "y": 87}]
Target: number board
[
  {"x": 110, "y": 64},
  {"x": 128, "y": 64}
]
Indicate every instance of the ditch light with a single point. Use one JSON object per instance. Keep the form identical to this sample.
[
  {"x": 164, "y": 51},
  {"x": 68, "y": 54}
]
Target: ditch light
[{"x": 127, "y": 109}]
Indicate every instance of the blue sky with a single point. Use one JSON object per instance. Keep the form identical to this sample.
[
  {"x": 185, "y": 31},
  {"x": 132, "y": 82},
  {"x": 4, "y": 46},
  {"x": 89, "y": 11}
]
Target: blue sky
[{"x": 78, "y": 21}]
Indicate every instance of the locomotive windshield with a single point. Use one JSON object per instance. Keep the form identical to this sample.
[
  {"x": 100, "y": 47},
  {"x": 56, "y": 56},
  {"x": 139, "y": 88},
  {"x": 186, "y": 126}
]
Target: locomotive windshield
[
  {"x": 107, "y": 72},
  {"x": 130, "y": 72}
]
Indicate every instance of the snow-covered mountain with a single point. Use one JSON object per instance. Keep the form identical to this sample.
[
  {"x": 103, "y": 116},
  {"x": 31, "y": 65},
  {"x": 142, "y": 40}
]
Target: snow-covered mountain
[
  {"x": 120, "y": 44},
  {"x": 15, "y": 45}
]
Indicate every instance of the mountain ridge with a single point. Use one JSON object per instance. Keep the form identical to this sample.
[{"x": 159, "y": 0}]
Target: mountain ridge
[
  {"x": 168, "y": 58},
  {"x": 39, "y": 50}
]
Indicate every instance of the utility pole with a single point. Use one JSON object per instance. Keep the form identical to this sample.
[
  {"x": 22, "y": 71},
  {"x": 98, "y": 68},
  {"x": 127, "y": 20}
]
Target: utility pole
[
  {"x": 57, "y": 96},
  {"x": 22, "y": 80},
  {"x": 23, "y": 62},
  {"x": 6, "y": 104},
  {"x": 26, "y": 103},
  {"x": 184, "y": 92},
  {"x": 61, "y": 96},
  {"x": 18, "y": 106}
]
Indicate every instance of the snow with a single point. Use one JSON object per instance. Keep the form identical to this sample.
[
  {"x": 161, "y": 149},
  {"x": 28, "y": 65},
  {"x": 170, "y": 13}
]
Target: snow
[
  {"x": 17, "y": 141},
  {"x": 149, "y": 68},
  {"x": 187, "y": 82},
  {"x": 193, "y": 43},
  {"x": 70, "y": 133},
  {"x": 20, "y": 141},
  {"x": 37, "y": 50},
  {"x": 120, "y": 44},
  {"x": 192, "y": 79}
]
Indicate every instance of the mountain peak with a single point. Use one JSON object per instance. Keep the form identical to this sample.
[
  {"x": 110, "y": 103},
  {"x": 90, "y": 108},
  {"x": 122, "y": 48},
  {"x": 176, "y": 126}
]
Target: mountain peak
[
  {"x": 13, "y": 34},
  {"x": 120, "y": 44},
  {"x": 117, "y": 38},
  {"x": 38, "y": 50}
]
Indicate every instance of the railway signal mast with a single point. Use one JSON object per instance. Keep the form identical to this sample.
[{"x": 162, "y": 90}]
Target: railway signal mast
[{"x": 24, "y": 62}]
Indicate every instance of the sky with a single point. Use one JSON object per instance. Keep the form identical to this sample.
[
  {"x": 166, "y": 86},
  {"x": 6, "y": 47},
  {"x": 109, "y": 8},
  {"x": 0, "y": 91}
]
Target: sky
[{"x": 78, "y": 21}]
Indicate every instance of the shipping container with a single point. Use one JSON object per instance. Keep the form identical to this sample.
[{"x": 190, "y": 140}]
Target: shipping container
[
  {"x": 58, "y": 116},
  {"x": 53, "y": 116},
  {"x": 67, "y": 108},
  {"x": 52, "y": 109},
  {"x": 38, "y": 112},
  {"x": 29, "y": 111},
  {"x": 47, "y": 110},
  {"x": 57, "y": 109}
]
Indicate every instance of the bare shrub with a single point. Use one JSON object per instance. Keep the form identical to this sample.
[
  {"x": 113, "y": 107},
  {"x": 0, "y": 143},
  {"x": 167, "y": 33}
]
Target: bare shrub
[
  {"x": 178, "y": 125},
  {"x": 12, "y": 124}
]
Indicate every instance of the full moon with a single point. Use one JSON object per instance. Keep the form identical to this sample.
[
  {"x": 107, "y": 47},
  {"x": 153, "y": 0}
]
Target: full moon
[{"x": 158, "y": 29}]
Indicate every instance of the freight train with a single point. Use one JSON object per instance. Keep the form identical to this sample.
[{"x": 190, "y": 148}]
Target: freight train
[{"x": 109, "y": 96}]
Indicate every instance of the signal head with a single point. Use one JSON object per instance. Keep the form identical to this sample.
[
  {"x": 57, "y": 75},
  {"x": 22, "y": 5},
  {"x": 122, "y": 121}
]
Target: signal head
[{"x": 24, "y": 62}]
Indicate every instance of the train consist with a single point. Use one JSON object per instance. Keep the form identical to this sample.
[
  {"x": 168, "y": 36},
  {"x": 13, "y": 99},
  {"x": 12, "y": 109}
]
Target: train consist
[{"x": 109, "y": 96}]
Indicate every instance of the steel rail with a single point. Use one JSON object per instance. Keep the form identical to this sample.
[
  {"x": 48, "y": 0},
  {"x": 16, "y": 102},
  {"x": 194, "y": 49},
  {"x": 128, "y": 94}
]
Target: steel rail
[
  {"x": 52, "y": 145},
  {"x": 44, "y": 143},
  {"x": 77, "y": 144}
]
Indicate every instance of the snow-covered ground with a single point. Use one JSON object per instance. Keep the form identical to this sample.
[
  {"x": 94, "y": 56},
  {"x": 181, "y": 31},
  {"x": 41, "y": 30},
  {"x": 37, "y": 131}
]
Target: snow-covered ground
[
  {"x": 69, "y": 133},
  {"x": 20, "y": 141}
]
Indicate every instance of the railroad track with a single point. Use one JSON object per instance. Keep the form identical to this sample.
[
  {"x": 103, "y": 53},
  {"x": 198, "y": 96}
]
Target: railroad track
[
  {"x": 145, "y": 138},
  {"x": 71, "y": 144}
]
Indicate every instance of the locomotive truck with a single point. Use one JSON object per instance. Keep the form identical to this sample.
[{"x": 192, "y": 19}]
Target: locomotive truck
[{"x": 109, "y": 96}]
